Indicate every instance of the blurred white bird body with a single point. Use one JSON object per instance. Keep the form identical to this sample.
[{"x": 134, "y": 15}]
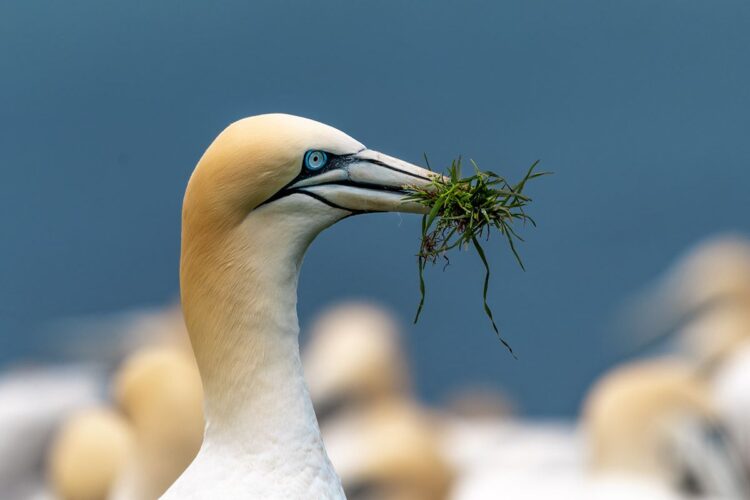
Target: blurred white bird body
[
  {"x": 510, "y": 456},
  {"x": 718, "y": 342},
  {"x": 731, "y": 387},
  {"x": 541, "y": 484},
  {"x": 511, "y": 443},
  {"x": 545, "y": 482},
  {"x": 615, "y": 486},
  {"x": 258, "y": 197}
]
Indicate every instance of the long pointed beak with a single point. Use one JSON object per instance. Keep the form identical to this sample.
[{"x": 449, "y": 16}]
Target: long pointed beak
[{"x": 368, "y": 181}]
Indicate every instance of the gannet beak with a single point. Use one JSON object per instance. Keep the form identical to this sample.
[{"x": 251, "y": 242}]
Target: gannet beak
[{"x": 366, "y": 181}]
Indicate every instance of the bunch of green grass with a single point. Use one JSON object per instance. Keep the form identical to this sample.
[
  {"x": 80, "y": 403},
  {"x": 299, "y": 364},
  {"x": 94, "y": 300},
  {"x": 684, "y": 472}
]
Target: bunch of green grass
[{"x": 463, "y": 212}]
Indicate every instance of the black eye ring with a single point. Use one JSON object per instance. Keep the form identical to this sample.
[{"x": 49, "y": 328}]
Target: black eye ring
[{"x": 315, "y": 159}]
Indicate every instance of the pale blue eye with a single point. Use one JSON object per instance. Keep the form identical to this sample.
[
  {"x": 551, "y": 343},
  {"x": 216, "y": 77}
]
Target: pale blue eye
[{"x": 315, "y": 160}]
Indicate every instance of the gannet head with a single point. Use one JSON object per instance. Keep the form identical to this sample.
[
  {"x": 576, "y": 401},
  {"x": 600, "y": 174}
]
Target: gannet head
[
  {"x": 262, "y": 191},
  {"x": 300, "y": 164}
]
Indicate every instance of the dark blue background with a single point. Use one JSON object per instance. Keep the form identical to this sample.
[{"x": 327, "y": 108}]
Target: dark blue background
[{"x": 642, "y": 108}]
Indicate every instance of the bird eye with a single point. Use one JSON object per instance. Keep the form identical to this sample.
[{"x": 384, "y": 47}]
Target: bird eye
[{"x": 315, "y": 160}]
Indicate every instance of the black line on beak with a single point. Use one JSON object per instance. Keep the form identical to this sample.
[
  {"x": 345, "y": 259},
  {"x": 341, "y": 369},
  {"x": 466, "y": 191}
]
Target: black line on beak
[{"x": 396, "y": 169}]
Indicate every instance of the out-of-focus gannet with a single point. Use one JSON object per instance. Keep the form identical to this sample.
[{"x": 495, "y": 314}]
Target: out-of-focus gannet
[
  {"x": 713, "y": 336},
  {"x": 34, "y": 401},
  {"x": 260, "y": 194},
  {"x": 654, "y": 423},
  {"x": 88, "y": 454},
  {"x": 389, "y": 452},
  {"x": 159, "y": 389},
  {"x": 354, "y": 359},
  {"x": 713, "y": 274},
  {"x": 382, "y": 443},
  {"x": 652, "y": 433}
]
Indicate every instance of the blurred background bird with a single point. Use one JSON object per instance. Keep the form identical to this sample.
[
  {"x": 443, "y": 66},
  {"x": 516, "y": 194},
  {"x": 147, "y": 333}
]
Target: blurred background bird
[
  {"x": 160, "y": 391},
  {"x": 654, "y": 424},
  {"x": 89, "y": 453},
  {"x": 354, "y": 359},
  {"x": 381, "y": 440}
]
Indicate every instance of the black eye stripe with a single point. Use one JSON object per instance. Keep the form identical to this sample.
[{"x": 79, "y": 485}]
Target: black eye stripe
[{"x": 334, "y": 162}]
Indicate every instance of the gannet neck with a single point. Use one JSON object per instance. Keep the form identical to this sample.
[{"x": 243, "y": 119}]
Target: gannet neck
[{"x": 239, "y": 292}]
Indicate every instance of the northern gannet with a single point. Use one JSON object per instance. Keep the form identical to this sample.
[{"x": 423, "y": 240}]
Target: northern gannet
[
  {"x": 88, "y": 454},
  {"x": 382, "y": 443},
  {"x": 712, "y": 337},
  {"x": 389, "y": 452},
  {"x": 34, "y": 401},
  {"x": 159, "y": 389},
  {"x": 713, "y": 274},
  {"x": 708, "y": 292},
  {"x": 655, "y": 423},
  {"x": 353, "y": 359},
  {"x": 260, "y": 194}
]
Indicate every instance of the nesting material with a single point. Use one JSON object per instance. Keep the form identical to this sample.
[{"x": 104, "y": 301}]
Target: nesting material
[{"x": 464, "y": 211}]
